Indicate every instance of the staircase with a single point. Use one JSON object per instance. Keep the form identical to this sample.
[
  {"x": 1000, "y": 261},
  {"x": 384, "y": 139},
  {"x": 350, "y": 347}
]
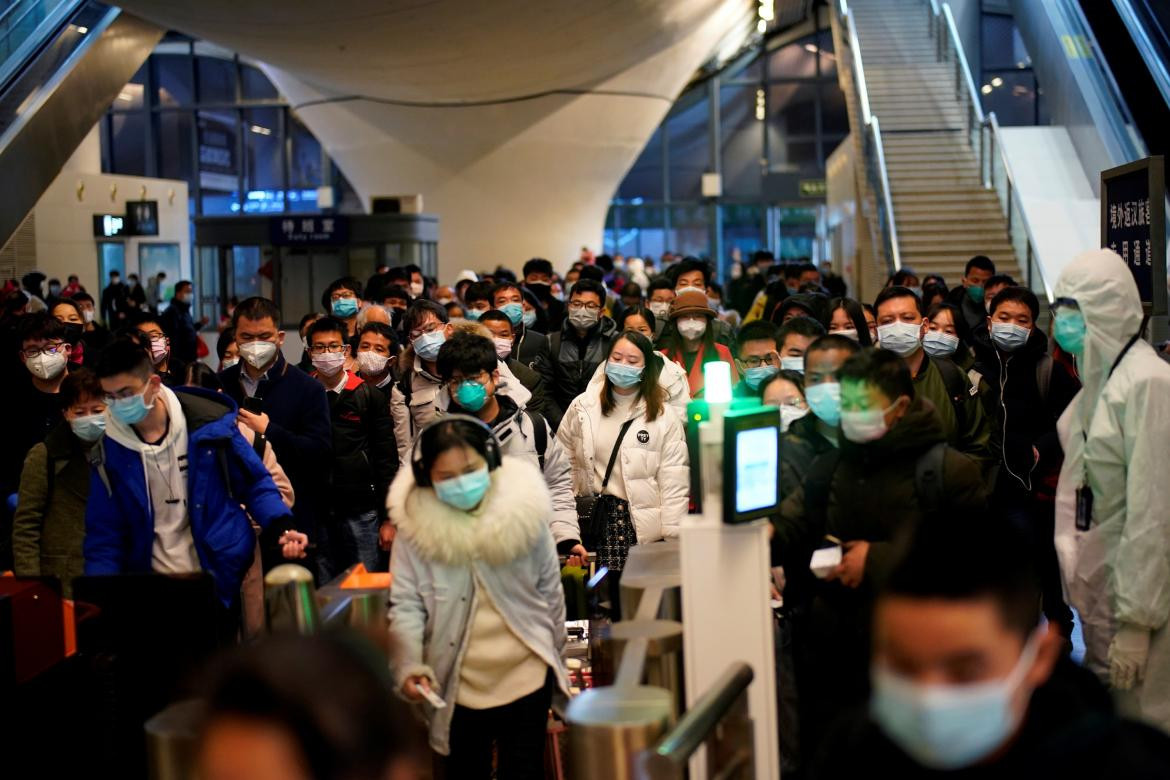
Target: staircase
[{"x": 943, "y": 213}]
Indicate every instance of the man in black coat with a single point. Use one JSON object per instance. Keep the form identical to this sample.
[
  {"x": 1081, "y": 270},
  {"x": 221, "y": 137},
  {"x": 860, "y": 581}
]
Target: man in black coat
[
  {"x": 968, "y": 296},
  {"x": 968, "y": 683},
  {"x": 285, "y": 405},
  {"x": 582, "y": 344},
  {"x": 180, "y": 326}
]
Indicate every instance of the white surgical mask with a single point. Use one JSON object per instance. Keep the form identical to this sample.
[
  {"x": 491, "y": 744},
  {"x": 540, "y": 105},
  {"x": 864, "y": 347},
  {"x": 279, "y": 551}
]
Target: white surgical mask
[
  {"x": 87, "y": 315},
  {"x": 939, "y": 344},
  {"x": 47, "y": 366},
  {"x": 901, "y": 338},
  {"x": 228, "y": 363},
  {"x": 949, "y": 726},
  {"x": 851, "y": 333},
  {"x": 583, "y": 318},
  {"x": 692, "y": 328},
  {"x": 329, "y": 363},
  {"x": 371, "y": 362},
  {"x": 792, "y": 364},
  {"x": 865, "y": 426},
  {"x": 258, "y": 353},
  {"x": 503, "y": 348},
  {"x": 790, "y": 414},
  {"x": 660, "y": 309},
  {"x": 416, "y": 289}
]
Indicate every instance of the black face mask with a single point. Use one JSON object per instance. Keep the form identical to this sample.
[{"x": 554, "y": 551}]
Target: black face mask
[
  {"x": 541, "y": 290},
  {"x": 73, "y": 333}
]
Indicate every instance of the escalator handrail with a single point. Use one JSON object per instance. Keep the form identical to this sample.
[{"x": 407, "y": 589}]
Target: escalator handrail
[
  {"x": 871, "y": 126},
  {"x": 1146, "y": 47},
  {"x": 50, "y": 27}
]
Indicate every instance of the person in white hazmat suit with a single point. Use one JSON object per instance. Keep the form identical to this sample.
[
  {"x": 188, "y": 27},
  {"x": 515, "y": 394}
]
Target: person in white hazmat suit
[{"x": 1113, "y": 499}]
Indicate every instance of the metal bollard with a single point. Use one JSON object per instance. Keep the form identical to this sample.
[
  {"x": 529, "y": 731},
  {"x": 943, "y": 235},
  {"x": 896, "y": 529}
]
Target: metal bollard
[
  {"x": 290, "y": 600},
  {"x": 609, "y": 727},
  {"x": 662, "y": 643},
  {"x": 170, "y": 740}
]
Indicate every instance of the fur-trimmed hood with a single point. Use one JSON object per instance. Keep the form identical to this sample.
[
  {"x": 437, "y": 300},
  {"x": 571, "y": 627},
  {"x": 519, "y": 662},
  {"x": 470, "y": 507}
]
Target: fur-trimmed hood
[{"x": 504, "y": 526}]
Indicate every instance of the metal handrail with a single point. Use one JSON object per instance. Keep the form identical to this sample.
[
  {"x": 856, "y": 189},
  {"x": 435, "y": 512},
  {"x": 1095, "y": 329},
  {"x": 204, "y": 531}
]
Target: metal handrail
[
  {"x": 961, "y": 56},
  {"x": 873, "y": 128},
  {"x": 701, "y": 720}
]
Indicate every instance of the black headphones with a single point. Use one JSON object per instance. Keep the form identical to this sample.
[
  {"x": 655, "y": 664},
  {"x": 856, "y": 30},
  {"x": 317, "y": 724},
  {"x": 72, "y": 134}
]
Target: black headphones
[{"x": 471, "y": 430}]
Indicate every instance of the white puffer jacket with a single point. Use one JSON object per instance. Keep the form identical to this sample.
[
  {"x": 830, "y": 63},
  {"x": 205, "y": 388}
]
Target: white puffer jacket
[
  {"x": 653, "y": 462},
  {"x": 672, "y": 379}
]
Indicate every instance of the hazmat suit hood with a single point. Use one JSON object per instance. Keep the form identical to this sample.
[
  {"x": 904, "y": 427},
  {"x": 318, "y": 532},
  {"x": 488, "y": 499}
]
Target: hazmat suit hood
[{"x": 1103, "y": 287}]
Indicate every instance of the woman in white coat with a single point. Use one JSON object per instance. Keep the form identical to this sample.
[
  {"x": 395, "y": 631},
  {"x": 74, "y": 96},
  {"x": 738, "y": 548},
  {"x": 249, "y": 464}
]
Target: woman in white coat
[
  {"x": 645, "y": 498},
  {"x": 477, "y": 603}
]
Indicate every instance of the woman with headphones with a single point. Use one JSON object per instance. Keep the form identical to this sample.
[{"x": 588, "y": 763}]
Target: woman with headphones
[{"x": 477, "y": 601}]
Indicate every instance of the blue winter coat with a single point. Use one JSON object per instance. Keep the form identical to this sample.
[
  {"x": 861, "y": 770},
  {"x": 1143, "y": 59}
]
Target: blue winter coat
[{"x": 223, "y": 473}]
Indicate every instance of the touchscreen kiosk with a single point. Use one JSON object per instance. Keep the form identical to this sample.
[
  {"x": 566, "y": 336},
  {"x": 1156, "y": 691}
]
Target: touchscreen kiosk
[{"x": 751, "y": 464}]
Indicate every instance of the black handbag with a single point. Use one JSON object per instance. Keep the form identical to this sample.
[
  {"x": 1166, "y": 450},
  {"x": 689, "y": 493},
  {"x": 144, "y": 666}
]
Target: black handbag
[{"x": 591, "y": 516}]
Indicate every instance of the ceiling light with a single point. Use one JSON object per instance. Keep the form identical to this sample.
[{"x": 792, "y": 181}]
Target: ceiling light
[
  {"x": 258, "y": 130},
  {"x": 126, "y": 97},
  {"x": 761, "y": 26},
  {"x": 83, "y": 30},
  {"x": 997, "y": 82},
  {"x": 986, "y": 89},
  {"x": 767, "y": 10}
]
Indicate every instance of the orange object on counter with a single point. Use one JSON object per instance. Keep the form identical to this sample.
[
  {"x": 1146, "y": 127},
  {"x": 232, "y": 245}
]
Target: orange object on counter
[{"x": 359, "y": 578}]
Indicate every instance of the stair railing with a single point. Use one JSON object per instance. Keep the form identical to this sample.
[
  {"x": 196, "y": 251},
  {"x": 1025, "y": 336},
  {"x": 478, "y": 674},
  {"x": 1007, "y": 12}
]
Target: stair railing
[
  {"x": 983, "y": 136},
  {"x": 874, "y": 153}
]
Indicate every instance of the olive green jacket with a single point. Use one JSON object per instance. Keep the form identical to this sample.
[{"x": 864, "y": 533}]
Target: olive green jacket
[{"x": 49, "y": 525}]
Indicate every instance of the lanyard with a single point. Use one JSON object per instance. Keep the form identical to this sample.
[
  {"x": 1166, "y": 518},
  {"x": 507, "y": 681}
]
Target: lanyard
[{"x": 1132, "y": 340}]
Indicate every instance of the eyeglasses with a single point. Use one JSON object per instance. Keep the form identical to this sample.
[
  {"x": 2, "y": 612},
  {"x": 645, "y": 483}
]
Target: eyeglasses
[
  {"x": 579, "y": 305},
  {"x": 152, "y": 336},
  {"x": 429, "y": 328},
  {"x": 454, "y": 382},
  {"x": 332, "y": 349},
  {"x": 755, "y": 361},
  {"x": 1064, "y": 304},
  {"x": 51, "y": 348},
  {"x": 337, "y": 296}
]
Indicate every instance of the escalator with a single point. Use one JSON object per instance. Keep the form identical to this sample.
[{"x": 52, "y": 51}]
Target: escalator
[
  {"x": 62, "y": 63},
  {"x": 1124, "y": 28}
]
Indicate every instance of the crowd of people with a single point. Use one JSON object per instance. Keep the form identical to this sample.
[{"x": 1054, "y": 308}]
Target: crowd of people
[{"x": 978, "y": 481}]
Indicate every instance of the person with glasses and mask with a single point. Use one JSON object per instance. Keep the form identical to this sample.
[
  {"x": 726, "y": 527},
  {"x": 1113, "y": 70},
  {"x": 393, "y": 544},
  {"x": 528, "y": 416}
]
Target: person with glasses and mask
[
  {"x": 142, "y": 515},
  {"x": 412, "y": 401},
  {"x": 365, "y": 456},
  {"x": 34, "y": 400},
  {"x": 968, "y": 682},
  {"x": 529, "y": 346},
  {"x": 150, "y": 333},
  {"x": 757, "y": 356},
  {"x": 893, "y": 467},
  {"x": 477, "y": 604},
  {"x": 49, "y": 525},
  {"x": 284, "y": 405},
  {"x": 583, "y": 342}
]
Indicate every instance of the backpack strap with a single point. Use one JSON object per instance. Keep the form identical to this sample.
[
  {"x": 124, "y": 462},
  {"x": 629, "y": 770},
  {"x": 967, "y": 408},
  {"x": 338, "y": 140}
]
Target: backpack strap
[
  {"x": 97, "y": 459},
  {"x": 540, "y": 433},
  {"x": 928, "y": 478}
]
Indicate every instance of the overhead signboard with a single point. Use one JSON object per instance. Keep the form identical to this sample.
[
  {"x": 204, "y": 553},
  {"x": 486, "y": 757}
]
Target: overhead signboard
[
  {"x": 1133, "y": 224},
  {"x": 299, "y": 230}
]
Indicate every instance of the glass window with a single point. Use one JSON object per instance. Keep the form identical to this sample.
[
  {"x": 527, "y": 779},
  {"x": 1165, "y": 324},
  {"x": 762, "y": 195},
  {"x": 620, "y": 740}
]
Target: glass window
[
  {"x": 690, "y": 150},
  {"x": 153, "y": 258},
  {"x": 743, "y": 229},
  {"x": 792, "y": 108},
  {"x": 128, "y": 143},
  {"x": 133, "y": 92},
  {"x": 834, "y": 114},
  {"x": 245, "y": 264},
  {"x": 217, "y": 80},
  {"x": 1002, "y": 45},
  {"x": 645, "y": 179},
  {"x": 176, "y": 140},
  {"x": 305, "y": 157},
  {"x": 256, "y": 85},
  {"x": 828, "y": 54},
  {"x": 111, "y": 257},
  {"x": 796, "y": 60},
  {"x": 689, "y": 230},
  {"x": 264, "y": 178},
  {"x": 174, "y": 79},
  {"x": 218, "y": 161},
  {"x": 743, "y": 141},
  {"x": 1012, "y": 96}
]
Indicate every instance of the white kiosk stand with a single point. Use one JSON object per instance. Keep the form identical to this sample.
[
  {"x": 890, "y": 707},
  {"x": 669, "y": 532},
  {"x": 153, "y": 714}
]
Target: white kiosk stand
[{"x": 727, "y": 613}]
